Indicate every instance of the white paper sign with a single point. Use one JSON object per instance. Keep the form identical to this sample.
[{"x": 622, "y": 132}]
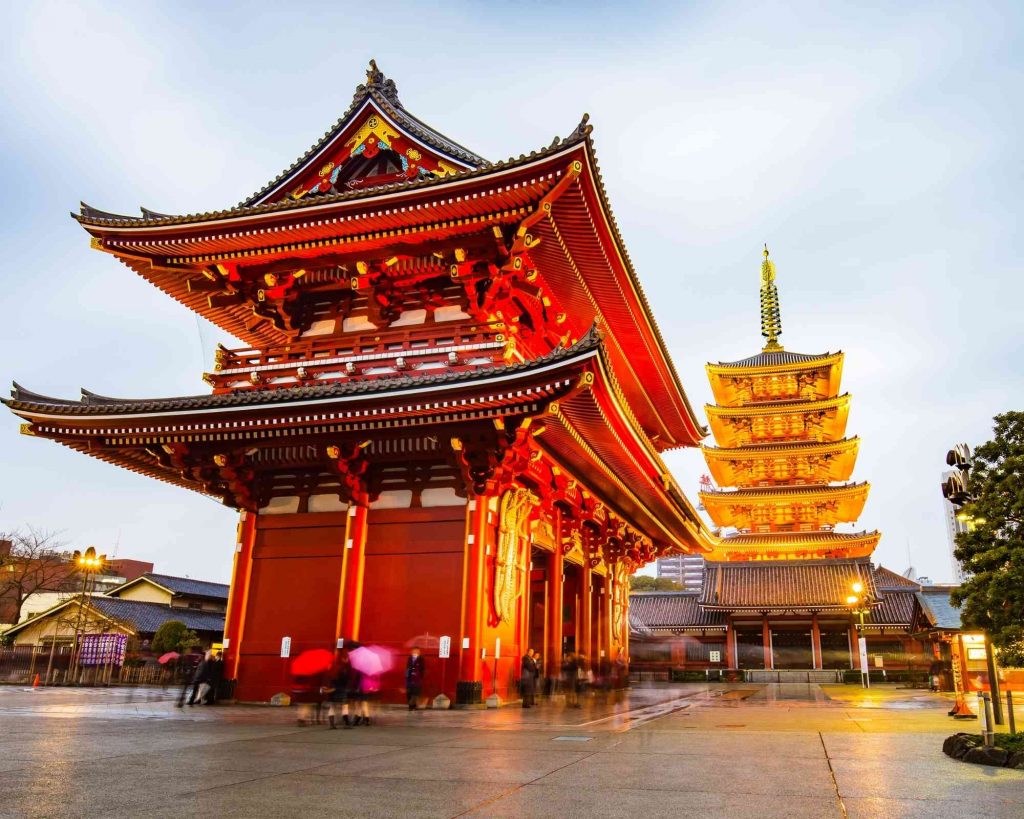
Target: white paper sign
[
  {"x": 444, "y": 648},
  {"x": 497, "y": 649},
  {"x": 715, "y": 656},
  {"x": 286, "y": 646}
]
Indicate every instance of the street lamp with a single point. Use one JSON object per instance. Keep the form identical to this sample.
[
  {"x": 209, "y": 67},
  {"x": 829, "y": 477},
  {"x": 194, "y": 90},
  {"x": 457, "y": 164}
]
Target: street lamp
[
  {"x": 88, "y": 563},
  {"x": 860, "y": 604}
]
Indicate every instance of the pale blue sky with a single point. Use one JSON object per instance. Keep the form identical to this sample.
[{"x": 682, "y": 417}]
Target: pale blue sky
[{"x": 876, "y": 149}]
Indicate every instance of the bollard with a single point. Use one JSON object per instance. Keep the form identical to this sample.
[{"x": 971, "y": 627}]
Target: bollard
[
  {"x": 1009, "y": 712},
  {"x": 983, "y": 718},
  {"x": 988, "y": 732}
]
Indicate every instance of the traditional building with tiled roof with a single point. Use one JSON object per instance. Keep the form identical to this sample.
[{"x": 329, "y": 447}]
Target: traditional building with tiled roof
[{"x": 447, "y": 411}]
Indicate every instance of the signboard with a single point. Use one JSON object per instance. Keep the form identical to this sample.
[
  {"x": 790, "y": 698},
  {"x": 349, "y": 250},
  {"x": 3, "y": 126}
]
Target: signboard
[
  {"x": 714, "y": 656},
  {"x": 444, "y": 648},
  {"x": 497, "y": 648},
  {"x": 341, "y": 642},
  {"x": 286, "y": 646},
  {"x": 862, "y": 641},
  {"x": 101, "y": 649},
  {"x": 879, "y": 663},
  {"x": 465, "y": 642}
]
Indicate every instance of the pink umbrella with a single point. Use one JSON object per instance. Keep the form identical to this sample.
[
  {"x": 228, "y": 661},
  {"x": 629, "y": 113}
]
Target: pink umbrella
[
  {"x": 166, "y": 658},
  {"x": 371, "y": 660}
]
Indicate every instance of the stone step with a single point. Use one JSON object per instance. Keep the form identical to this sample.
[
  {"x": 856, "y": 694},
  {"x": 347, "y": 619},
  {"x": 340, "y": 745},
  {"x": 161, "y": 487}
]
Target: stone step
[{"x": 793, "y": 676}]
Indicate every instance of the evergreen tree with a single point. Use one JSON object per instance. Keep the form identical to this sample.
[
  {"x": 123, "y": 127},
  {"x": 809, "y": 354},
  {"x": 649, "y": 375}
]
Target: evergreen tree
[{"x": 992, "y": 550}]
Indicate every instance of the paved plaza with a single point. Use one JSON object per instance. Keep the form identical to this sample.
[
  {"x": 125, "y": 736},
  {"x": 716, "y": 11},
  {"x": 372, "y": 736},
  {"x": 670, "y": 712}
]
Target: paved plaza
[{"x": 673, "y": 751}]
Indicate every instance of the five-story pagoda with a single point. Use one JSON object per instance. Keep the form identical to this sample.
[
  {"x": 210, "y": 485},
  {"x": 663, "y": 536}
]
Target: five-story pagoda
[{"x": 781, "y": 571}]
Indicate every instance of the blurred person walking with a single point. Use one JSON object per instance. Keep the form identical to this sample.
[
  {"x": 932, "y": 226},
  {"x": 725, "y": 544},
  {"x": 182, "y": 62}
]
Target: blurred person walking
[
  {"x": 214, "y": 678},
  {"x": 569, "y": 682},
  {"x": 199, "y": 679},
  {"x": 528, "y": 678},
  {"x": 342, "y": 685}
]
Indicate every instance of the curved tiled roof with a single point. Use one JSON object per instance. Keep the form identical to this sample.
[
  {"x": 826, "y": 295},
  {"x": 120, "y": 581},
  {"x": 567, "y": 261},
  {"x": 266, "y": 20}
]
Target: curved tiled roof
[
  {"x": 673, "y": 610},
  {"x": 775, "y": 358},
  {"x": 797, "y": 538},
  {"x": 139, "y": 615},
  {"x": 188, "y": 586},
  {"x": 888, "y": 579},
  {"x": 92, "y": 404},
  {"x": 149, "y": 617},
  {"x": 894, "y": 608},
  {"x": 938, "y": 609},
  {"x": 779, "y": 491},
  {"x": 784, "y": 447},
  {"x": 784, "y": 584}
]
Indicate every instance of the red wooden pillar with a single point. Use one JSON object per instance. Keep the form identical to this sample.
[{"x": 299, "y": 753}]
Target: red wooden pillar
[
  {"x": 730, "y": 646},
  {"x": 553, "y": 612},
  {"x": 238, "y": 593},
  {"x": 353, "y": 566},
  {"x": 586, "y": 610},
  {"x": 854, "y": 645},
  {"x": 766, "y": 638},
  {"x": 474, "y": 600},
  {"x": 816, "y": 642}
]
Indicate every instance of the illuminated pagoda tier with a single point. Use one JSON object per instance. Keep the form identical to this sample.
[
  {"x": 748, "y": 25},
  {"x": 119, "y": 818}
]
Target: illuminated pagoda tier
[{"x": 447, "y": 412}]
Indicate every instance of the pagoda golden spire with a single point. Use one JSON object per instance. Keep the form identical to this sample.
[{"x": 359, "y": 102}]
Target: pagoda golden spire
[{"x": 771, "y": 318}]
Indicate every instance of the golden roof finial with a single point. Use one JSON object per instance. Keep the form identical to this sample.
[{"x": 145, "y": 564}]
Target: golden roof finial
[{"x": 771, "y": 318}]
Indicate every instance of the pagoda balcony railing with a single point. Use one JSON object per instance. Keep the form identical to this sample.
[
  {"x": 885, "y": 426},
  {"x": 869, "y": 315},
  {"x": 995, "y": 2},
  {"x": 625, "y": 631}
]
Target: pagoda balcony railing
[{"x": 377, "y": 354}]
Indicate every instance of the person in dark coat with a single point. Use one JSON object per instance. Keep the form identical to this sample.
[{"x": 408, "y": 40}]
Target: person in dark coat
[
  {"x": 528, "y": 678},
  {"x": 415, "y": 670}
]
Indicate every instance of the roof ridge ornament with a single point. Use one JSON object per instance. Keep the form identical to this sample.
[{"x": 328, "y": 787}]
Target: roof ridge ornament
[
  {"x": 771, "y": 317},
  {"x": 376, "y": 81},
  {"x": 582, "y": 130}
]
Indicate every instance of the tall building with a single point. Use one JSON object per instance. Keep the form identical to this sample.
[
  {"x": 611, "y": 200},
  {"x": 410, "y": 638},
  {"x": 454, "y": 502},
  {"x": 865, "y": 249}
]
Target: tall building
[
  {"x": 686, "y": 570},
  {"x": 954, "y": 526},
  {"x": 782, "y": 580}
]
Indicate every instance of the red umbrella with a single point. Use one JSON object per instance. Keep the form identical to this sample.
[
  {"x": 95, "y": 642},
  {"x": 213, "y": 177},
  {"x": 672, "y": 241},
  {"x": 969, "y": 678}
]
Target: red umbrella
[
  {"x": 166, "y": 658},
  {"x": 312, "y": 662}
]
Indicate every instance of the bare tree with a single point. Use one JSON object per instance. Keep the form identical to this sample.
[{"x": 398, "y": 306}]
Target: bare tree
[{"x": 31, "y": 560}]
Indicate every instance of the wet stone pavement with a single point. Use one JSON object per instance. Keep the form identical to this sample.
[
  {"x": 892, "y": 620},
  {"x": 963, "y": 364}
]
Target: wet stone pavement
[{"x": 672, "y": 751}]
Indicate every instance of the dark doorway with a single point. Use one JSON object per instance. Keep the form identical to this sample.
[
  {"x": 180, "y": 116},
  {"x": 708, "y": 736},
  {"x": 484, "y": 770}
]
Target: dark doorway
[
  {"x": 835, "y": 649},
  {"x": 791, "y": 648},
  {"x": 749, "y": 649}
]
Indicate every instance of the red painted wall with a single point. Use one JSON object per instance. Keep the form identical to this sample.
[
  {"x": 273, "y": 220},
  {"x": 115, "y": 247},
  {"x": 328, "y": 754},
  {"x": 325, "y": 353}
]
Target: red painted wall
[
  {"x": 296, "y": 576},
  {"x": 413, "y": 587}
]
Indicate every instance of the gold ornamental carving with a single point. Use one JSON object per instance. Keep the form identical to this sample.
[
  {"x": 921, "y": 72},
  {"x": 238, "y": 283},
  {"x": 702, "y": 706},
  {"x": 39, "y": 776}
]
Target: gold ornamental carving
[{"x": 516, "y": 512}]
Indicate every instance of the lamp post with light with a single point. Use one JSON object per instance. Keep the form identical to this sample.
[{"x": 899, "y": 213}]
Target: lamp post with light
[
  {"x": 88, "y": 563},
  {"x": 860, "y": 604}
]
